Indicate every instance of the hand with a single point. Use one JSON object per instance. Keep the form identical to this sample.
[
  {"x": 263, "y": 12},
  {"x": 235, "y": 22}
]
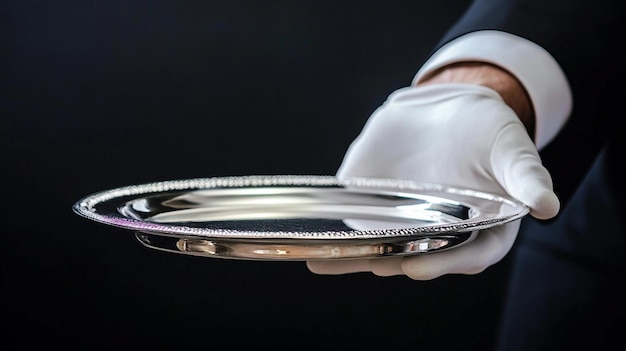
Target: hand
[{"x": 457, "y": 134}]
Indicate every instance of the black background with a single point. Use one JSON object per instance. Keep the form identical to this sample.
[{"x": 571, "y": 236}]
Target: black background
[{"x": 102, "y": 94}]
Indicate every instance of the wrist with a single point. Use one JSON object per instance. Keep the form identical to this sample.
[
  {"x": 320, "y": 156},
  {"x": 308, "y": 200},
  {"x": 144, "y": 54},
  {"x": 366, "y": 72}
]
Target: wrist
[{"x": 510, "y": 89}]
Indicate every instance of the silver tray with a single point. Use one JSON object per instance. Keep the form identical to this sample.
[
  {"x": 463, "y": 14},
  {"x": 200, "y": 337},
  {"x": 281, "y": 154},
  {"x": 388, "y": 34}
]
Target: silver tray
[{"x": 299, "y": 217}]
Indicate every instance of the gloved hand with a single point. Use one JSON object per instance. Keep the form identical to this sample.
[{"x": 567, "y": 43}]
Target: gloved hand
[{"x": 462, "y": 135}]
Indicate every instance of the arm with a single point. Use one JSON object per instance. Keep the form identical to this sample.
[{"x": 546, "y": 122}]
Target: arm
[
  {"x": 492, "y": 95},
  {"x": 580, "y": 38}
]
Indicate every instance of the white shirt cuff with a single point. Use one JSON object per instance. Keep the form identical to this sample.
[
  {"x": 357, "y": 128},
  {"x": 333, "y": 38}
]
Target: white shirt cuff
[{"x": 535, "y": 68}]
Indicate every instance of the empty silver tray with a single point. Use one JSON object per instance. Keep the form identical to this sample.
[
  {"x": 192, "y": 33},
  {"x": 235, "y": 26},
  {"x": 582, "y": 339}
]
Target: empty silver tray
[{"x": 299, "y": 217}]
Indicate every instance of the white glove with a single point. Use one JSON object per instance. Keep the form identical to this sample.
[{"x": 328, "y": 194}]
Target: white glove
[{"x": 462, "y": 135}]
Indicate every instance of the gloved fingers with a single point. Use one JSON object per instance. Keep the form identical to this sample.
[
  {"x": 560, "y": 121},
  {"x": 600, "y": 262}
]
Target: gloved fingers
[
  {"x": 339, "y": 267},
  {"x": 383, "y": 266},
  {"x": 489, "y": 247},
  {"x": 517, "y": 166},
  {"x": 387, "y": 266}
]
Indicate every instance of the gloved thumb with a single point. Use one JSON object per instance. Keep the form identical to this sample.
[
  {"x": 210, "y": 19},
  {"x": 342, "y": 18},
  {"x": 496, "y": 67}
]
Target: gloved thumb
[{"x": 518, "y": 168}]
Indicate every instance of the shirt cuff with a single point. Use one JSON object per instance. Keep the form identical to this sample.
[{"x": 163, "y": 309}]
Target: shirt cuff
[{"x": 533, "y": 66}]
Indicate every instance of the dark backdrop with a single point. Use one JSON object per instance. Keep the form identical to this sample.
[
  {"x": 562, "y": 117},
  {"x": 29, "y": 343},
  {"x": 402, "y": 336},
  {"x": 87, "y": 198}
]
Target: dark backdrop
[{"x": 100, "y": 94}]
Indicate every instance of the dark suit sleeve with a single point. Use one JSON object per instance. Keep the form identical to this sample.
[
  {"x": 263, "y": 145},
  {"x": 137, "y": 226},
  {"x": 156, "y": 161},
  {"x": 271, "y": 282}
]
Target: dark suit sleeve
[{"x": 584, "y": 37}]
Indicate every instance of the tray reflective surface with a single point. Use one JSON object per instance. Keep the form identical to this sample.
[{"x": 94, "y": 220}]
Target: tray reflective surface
[{"x": 299, "y": 217}]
